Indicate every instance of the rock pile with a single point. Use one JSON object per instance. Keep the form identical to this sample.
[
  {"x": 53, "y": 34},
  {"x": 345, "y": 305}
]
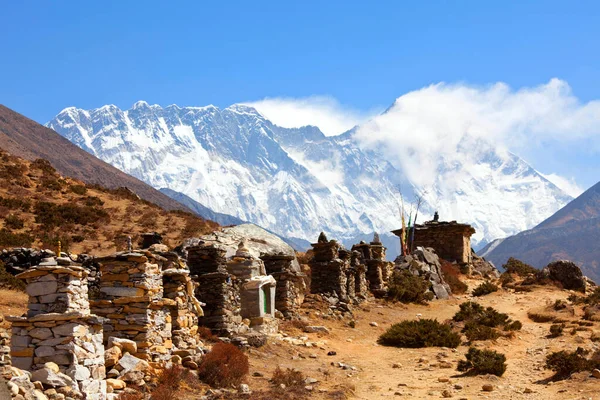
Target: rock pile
[{"x": 425, "y": 263}]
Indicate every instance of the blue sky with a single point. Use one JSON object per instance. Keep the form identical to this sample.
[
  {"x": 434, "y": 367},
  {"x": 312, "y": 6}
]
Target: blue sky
[{"x": 363, "y": 55}]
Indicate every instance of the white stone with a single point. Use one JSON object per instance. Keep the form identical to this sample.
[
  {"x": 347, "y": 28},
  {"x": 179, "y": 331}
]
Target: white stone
[
  {"x": 51, "y": 378},
  {"x": 41, "y": 288},
  {"x": 79, "y": 372}
]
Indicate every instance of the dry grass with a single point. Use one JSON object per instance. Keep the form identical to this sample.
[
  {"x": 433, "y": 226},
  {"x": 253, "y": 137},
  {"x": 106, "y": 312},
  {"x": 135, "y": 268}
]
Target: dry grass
[
  {"x": 12, "y": 302},
  {"x": 45, "y": 207}
]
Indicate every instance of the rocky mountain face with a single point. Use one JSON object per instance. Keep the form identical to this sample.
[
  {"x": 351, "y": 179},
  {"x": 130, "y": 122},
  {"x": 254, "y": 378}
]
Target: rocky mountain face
[
  {"x": 25, "y": 138},
  {"x": 299, "y": 182},
  {"x": 569, "y": 234}
]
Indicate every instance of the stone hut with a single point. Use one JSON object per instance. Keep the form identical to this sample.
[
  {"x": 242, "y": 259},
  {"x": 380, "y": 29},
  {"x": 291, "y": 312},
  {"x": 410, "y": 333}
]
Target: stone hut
[
  {"x": 59, "y": 328},
  {"x": 450, "y": 240},
  {"x": 131, "y": 297}
]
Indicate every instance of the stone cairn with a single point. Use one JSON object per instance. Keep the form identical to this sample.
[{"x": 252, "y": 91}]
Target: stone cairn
[
  {"x": 329, "y": 268},
  {"x": 220, "y": 291},
  {"x": 131, "y": 297},
  {"x": 378, "y": 270},
  {"x": 59, "y": 340},
  {"x": 289, "y": 294}
]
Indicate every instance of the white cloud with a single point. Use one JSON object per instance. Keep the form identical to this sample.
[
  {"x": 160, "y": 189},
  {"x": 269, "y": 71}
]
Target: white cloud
[
  {"x": 426, "y": 128},
  {"x": 322, "y": 111},
  {"x": 569, "y": 186}
]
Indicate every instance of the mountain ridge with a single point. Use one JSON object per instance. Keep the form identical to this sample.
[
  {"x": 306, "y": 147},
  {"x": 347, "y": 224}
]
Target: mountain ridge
[{"x": 297, "y": 182}]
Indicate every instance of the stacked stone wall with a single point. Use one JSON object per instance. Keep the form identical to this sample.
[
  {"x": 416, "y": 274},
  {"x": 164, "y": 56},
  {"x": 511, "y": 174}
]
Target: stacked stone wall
[
  {"x": 131, "y": 298},
  {"x": 63, "y": 335},
  {"x": 289, "y": 292}
]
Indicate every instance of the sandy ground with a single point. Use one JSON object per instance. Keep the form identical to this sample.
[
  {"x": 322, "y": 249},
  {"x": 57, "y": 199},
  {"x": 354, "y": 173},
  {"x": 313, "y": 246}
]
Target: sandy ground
[{"x": 417, "y": 373}]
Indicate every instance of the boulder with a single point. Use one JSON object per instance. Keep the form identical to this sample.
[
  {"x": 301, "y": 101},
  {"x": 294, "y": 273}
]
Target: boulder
[
  {"x": 51, "y": 378},
  {"x": 257, "y": 241},
  {"x": 567, "y": 273}
]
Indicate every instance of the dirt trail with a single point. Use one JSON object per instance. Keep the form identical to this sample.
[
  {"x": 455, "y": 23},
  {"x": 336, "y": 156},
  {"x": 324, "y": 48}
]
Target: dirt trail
[{"x": 417, "y": 373}]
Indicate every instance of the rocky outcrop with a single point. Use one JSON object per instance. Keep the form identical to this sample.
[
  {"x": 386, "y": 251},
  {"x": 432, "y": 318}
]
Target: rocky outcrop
[
  {"x": 567, "y": 273},
  {"x": 481, "y": 267},
  {"x": 425, "y": 263}
]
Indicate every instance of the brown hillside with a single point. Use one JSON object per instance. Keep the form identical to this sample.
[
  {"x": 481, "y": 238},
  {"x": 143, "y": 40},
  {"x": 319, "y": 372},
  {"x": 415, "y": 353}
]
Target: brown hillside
[
  {"x": 25, "y": 138},
  {"x": 38, "y": 207}
]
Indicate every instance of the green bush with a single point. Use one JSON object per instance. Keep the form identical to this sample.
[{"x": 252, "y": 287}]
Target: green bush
[
  {"x": 420, "y": 333},
  {"x": 78, "y": 189},
  {"x": 14, "y": 222},
  {"x": 565, "y": 363},
  {"x": 408, "y": 288},
  {"x": 483, "y": 362},
  {"x": 474, "y": 331},
  {"x": 513, "y": 326},
  {"x": 471, "y": 311},
  {"x": 485, "y": 288},
  {"x": 556, "y": 330},
  {"x": 13, "y": 203},
  {"x": 9, "y": 239},
  {"x": 506, "y": 279},
  {"x": 55, "y": 215},
  {"x": 480, "y": 322},
  {"x": 514, "y": 266}
]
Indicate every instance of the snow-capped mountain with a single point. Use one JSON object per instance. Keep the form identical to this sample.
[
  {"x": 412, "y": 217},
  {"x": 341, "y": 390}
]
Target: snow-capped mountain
[{"x": 298, "y": 182}]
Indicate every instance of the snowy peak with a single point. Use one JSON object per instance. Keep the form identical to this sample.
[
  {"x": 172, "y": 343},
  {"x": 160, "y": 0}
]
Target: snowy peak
[{"x": 297, "y": 182}]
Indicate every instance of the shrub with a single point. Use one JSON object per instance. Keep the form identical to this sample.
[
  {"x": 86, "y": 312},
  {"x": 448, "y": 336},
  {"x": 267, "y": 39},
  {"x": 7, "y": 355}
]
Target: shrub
[
  {"x": 565, "y": 363},
  {"x": 408, "y": 288},
  {"x": 559, "y": 305},
  {"x": 474, "y": 331},
  {"x": 163, "y": 392},
  {"x": 7, "y": 280},
  {"x": 479, "y": 321},
  {"x": 513, "y": 326},
  {"x": 518, "y": 267},
  {"x": 13, "y": 222},
  {"x": 593, "y": 298},
  {"x": 482, "y": 362},
  {"x": 44, "y": 166},
  {"x": 474, "y": 312},
  {"x": 9, "y": 239},
  {"x": 556, "y": 330},
  {"x": 206, "y": 334},
  {"x": 289, "y": 377},
  {"x": 78, "y": 189},
  {"x": 485, "y": 288},
  {"x": 169, "y": 382},
  {"x": 224, "y": 366},
  {"x": 420, "y": 333},
  {"x": 15, "y": 203},
  {"x": 506, "y": 279},
  {"x": 54, "y": 215},
  {"x": 451, "y": 273}
]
